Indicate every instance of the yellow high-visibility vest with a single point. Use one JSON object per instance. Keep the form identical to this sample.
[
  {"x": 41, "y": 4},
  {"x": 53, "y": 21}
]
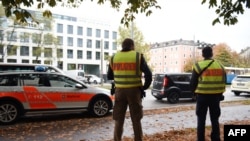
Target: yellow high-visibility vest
[
  {"x": 126, "y": 68},
  {"x": 212, "y": 80}
]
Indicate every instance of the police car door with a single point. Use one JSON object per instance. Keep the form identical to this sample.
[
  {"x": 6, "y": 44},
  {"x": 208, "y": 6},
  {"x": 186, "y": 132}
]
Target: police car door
[{"x": 70, "y": 92}]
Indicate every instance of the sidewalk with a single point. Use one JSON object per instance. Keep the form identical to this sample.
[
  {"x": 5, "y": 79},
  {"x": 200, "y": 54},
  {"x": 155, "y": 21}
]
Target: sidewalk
[{"x": 171, "y": 121}]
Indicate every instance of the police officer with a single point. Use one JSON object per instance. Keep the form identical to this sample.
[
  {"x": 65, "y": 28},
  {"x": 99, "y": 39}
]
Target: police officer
[
  {"x": 208, "y": 85},
  {"x": 126, "y": 68}
]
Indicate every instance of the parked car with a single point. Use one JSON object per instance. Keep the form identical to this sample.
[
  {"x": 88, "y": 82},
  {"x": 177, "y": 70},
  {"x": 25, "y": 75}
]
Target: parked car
[
  {"x": 92, "y": 79},
  {"x": 172, "y": 86},
  {"x": 77, "y": 74},
  {"x": 27, "y": 92},
  {"x": 240, "y": 84}
]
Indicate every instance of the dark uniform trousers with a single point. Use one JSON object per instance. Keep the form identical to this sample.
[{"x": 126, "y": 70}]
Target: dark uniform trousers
[
  {"x": 125, "y": 97},
  {"x": 205, "y": 102}
]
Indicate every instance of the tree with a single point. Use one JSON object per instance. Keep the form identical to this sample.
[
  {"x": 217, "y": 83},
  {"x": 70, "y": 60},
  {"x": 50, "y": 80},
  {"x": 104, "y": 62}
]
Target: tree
[
  {"x": 228, "y": 10},
  {"x": 10, "y": 33},
  {"x": 188, "y": 66},
  {"x": 134, "y": 33},
  {"x": 14, "y": 7},
  {"x": 190, "y": 62},
  {"x": 222, "y": 53}
]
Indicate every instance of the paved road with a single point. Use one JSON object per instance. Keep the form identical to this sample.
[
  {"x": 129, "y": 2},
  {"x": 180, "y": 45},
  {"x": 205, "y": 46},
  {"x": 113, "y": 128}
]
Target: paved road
[
  {"x": 76, "y": 127},
  {"x": 149, "y": 102}
]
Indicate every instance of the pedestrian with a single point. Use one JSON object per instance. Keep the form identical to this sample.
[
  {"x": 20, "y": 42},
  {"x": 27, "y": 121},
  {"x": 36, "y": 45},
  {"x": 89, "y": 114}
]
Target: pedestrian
[
  {"x": 126, "y": 68},
  {"x": 208, "y": 84}
]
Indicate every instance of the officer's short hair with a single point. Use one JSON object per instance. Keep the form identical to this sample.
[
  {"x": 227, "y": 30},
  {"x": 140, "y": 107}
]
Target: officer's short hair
[
  {"x": 127, "y": 44},
  {"x": 207, "y": 52}
]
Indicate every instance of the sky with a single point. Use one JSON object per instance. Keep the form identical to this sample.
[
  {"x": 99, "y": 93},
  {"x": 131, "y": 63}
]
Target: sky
[{"x": 177, "y": 19}]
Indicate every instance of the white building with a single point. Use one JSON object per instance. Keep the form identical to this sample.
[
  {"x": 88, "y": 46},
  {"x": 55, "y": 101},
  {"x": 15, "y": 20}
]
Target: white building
[{"x": 71, "y": 42}]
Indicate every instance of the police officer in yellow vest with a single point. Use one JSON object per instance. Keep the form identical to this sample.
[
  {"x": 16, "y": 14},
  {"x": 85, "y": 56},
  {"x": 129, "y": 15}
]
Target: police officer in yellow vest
[
  {"x": 126, "y": 68},
  {"x": 208, "y": 85}
]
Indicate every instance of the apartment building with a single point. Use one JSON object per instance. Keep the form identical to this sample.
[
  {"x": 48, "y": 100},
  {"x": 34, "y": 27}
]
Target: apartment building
[
  {"x": 68, "y": 42},
  {"x": 171, "y": 56}
]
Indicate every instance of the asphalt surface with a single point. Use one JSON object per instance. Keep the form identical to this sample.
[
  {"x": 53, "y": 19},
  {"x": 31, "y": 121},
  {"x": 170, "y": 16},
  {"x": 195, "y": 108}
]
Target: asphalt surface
[
  {"x": 82, "y": 127},
  {"x": 74, "y": 127}
]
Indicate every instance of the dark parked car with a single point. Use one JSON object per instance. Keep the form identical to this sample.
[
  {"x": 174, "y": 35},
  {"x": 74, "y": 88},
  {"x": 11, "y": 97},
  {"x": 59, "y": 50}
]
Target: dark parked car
[{"x": 172, "y": 86}]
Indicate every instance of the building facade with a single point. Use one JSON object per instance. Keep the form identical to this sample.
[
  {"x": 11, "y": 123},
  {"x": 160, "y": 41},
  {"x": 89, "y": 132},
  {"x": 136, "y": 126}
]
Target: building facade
[
  {"x": 67, "y": 42},
  {"x": 171, "y": 56}
]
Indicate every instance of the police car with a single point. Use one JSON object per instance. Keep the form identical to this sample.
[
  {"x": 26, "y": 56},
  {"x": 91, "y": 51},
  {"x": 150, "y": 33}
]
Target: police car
[
  {"x": 15, "y": 67},
  {"x": 39, "y": 91}
]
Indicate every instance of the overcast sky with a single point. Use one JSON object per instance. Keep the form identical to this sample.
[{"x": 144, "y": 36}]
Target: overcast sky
[{"x": 177, "y": 19}]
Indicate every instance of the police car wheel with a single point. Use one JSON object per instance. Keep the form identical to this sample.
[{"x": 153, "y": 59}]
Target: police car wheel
[
  {"x": 100, "y": 107},
  {"x": 9, "y": 112}
]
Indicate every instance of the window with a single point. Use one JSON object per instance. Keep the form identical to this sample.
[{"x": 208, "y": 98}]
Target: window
[
  {"x": 24, "y": 37},
  {"x": 98, "y": 33},
  {"x": 106, "y": 45},
  {"x": 1, "y": 35},
  {"x": 114, "y": 35},
  {"x": 36, "y": 61},
  {"x": 79, "y": 30},
  {"x": 70, "y": 53},
  {"x": 25, "y": 61},
  {"x": 79, "y": 42},
  {"x": 48, "y": 39},
  {"x": 24, "y": 51},
  {"x": 59, "y": 53},
  {"x": 89, "y": 32},
  {"x": 47, "y": 62},
  {"x": 36, "y": 38},
  {"x": 97, "y": 55},
  {"x": 106, "y": 54},
  {"x": 97, "y": 44},
  {"x": 59, "y": 28},
  {"x": 1, "y": 49},
  {"x": 60, "y": 40},
  {"x": 89, "y": 55},
  {"x": 70, "y": 41},
  {"x": 89, "y": 43},
  {"x": 79, "y": 54},
  {"x": 9, "y": 80},
  {"x": 70, "y": 29},
  {"x": 106, "y": 34},
  {"x": 11, "y": 60},
  {"x": 11, "y": 50},
  {"x": 11, "y": 36},
  {"x": 36, "y": 51},
  {"x": 114, "y": 46},
  {"x": 48, "y": 52}
]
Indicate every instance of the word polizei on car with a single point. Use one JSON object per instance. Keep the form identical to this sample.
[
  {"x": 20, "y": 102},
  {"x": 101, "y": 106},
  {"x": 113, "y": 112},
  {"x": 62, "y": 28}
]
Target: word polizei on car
[{"x": 24, "y": 92}]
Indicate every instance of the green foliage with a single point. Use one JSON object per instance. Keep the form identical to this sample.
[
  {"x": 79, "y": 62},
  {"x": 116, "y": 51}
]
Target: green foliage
[
  {"x": 228, "y": 10},
  {"x": 134, "y": 33},
  {"x": 224, "y": 58},
  {"x": 224, "y": 55},
  {"x": 13, "y": 7},
  {"x": 228, "y": 58}
]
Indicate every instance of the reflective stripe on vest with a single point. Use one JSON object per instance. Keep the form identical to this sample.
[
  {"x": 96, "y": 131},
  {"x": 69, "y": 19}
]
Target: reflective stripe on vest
[
  {"x": 212, "y": 80},
  {"x": 126, "y": 68}
]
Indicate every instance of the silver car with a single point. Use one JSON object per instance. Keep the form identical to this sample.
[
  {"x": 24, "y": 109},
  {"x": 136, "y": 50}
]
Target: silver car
[
  {"x": 241, "y": 84},
  {"x": 23, "y": 92}
]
